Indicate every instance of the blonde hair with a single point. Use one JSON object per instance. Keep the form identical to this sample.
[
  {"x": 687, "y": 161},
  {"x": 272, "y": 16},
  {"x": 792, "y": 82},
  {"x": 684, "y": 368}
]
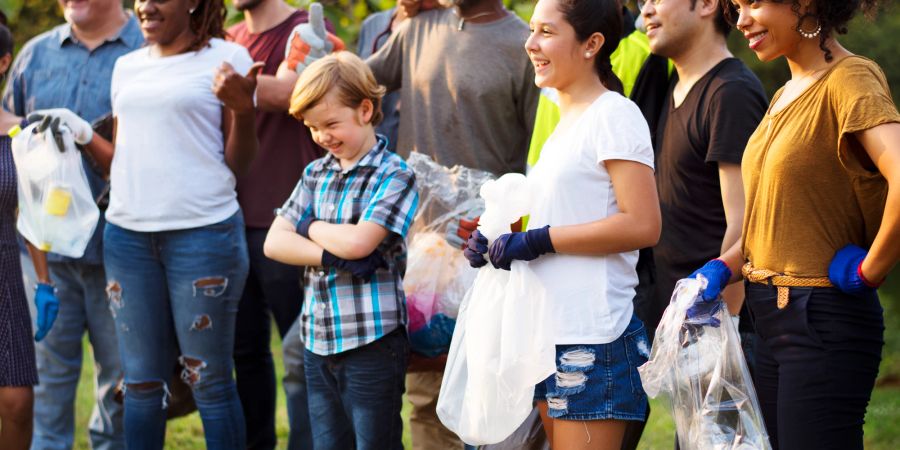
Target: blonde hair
[{"x": 343, "y": 71}]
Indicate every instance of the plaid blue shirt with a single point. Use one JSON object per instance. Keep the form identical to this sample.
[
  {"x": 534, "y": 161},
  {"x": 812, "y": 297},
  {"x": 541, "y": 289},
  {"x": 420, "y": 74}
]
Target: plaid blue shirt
[{"x": 342, "y": 312}]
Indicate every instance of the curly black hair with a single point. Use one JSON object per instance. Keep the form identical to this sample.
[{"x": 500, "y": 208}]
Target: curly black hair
[{"x": 832, "y": 15}]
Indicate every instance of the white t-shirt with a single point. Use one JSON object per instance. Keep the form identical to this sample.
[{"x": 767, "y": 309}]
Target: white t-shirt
[
  {"x": 590, "y": 296},
  {"x": 169, "y": 171}
]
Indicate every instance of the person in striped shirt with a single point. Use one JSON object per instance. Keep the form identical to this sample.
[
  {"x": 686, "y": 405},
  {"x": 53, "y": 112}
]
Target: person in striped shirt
[{"x": 347, "y": 220}]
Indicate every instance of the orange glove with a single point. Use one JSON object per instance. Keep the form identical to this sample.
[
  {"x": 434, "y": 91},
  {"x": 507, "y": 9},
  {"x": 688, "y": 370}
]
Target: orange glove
[
  {"x": 458, "y": 232},
  {"x": 310, "y": 41}
]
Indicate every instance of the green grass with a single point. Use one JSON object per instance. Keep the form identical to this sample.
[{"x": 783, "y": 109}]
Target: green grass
[
  {"x": 882, "y": 429},
  {"x": 187, "y": 432}
]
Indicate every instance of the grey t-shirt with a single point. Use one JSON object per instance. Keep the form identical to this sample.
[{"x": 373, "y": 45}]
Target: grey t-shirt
[{"x": 468, "y": 95}]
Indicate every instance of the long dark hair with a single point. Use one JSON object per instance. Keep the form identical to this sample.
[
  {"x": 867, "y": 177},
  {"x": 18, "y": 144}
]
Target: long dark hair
[
  {"x": 604, "y": 16},
  {"x": 207, "y": 22}
]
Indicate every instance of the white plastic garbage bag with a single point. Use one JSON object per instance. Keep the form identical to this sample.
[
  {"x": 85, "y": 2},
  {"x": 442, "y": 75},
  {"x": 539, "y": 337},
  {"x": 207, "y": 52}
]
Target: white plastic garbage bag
[
  {"x": 57, "y": 212},
  {"x": 503, "y": 344},
  {"x": 699, "y": 365}
]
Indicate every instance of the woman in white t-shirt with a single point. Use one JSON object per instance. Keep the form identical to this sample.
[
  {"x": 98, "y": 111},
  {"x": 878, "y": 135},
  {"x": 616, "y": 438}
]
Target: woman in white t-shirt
[
  {"x": 596, "y": 206},
  {"x": 174, "y": 247}
]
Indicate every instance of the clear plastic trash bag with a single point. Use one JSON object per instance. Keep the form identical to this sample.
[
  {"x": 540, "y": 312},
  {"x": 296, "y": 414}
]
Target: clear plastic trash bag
[
  {"x": 437, "y": 274},
  {"x": 503, "y": 344},
  {"x": 57, "y": 212},
  {"x": 699, "y": 366}
]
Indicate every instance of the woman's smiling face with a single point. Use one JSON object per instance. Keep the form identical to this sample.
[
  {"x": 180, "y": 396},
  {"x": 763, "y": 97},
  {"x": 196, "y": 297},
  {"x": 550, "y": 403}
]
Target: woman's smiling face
[
  {"x": 554, "y": 50},
  {"x": 769, "y": 27},
  {"x": 163, "y": 22}
]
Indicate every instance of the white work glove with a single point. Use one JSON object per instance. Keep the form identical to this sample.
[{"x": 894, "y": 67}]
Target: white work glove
[
  {"x": 81, "y": 130},
  {"x": 310, "y": 41}
]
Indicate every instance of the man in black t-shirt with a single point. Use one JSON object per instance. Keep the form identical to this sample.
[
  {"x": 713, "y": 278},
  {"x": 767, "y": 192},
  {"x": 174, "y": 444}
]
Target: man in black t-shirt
[{"x": 713, "y": 106}]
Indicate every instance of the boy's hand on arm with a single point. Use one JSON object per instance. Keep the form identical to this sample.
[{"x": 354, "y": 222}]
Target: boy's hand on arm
[
  {"x": 361, "y": 268},
  {"x": 347, "y": 241},
  {"x": 284, "y": 245}
]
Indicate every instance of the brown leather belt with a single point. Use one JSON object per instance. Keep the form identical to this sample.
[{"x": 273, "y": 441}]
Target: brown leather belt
[{"x": 781, "y": 281}]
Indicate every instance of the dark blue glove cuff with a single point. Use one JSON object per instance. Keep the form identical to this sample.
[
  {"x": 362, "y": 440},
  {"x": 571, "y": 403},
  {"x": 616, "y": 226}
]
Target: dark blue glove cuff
[
  {"x": 539, "y": 240},
  {"x": 328, "y": 259},
  {"x": 303, "y": 226}
]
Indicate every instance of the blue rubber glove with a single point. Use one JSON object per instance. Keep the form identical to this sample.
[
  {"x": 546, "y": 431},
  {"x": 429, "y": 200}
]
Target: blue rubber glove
[
  {"x": 717, "y": 275},
  {"x": 522, "y": 246},
  {"x": 303, "y": 225},
  {"x": 360, "y": 268},
  {"x": 47, "y": 306},
  {"x": 845, "y": 271},
  {"x": 476, "y": 247}
]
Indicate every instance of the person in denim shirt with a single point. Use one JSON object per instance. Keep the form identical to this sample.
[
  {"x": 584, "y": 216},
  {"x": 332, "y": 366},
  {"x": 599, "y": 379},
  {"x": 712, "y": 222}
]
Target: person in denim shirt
[{"x": 71, "y": 66}]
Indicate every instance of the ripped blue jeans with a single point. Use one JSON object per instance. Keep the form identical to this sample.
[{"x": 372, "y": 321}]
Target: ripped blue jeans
[
  {"x": 174, "y": 297},
  {"x": 599, "y": 381}
]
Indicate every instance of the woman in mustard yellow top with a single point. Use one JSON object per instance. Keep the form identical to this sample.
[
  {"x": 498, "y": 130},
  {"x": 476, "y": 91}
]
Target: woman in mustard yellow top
[{"x": 822, "y": 224}]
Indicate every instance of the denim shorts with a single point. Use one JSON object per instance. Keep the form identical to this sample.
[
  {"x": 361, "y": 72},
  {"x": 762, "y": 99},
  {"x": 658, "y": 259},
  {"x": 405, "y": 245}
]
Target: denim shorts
[{"x": 599, "y": 381}]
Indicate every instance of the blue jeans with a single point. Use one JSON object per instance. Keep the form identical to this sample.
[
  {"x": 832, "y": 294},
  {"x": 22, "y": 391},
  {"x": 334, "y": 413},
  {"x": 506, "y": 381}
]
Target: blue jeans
[
  {"x": 174, "y": 294},
  {"x": 355, "y": 397},
  {"x": 294, "y": 382},
  {"x": 272, "y": 290},
  {"x": 599, "y": 381},
  {"x": 82, "y": 306}
]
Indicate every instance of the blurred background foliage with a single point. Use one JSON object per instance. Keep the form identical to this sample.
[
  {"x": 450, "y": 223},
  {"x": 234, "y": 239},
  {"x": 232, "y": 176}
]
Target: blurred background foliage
[{"x": 875, "y": 38}]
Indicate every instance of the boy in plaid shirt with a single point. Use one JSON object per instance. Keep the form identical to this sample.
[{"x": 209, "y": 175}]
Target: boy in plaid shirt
[{"x": 346, "y": 221}]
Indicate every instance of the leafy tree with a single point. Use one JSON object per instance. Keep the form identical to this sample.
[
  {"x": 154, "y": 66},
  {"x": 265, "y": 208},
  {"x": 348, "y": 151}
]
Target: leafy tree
[{"x": 30, "y": 18}]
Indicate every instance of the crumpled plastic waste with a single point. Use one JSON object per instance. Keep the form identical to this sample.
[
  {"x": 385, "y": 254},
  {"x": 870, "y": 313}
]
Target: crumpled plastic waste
[
  {"x": 437, "y": 274},
  {"x": 698, "y": 364}
]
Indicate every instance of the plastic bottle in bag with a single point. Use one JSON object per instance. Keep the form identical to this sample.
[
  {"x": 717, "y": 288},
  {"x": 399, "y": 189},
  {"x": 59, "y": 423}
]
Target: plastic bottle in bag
[{"x": 57, "y": 212}]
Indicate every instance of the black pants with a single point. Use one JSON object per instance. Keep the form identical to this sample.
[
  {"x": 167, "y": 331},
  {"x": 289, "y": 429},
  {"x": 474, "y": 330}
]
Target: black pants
[
  {"x": 275, "y": 287},
  {"x": 816, "y": 364}
]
